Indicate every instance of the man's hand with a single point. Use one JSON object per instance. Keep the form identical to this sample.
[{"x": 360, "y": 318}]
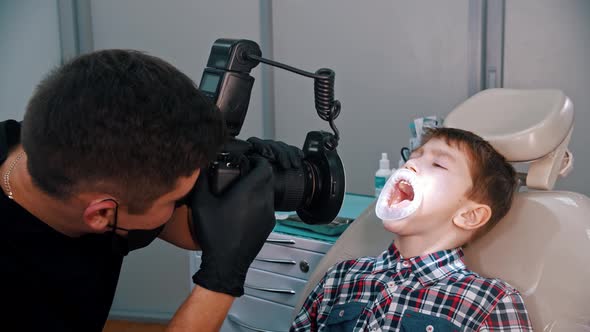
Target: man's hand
[
  {"x": 231, "y": 229},
  {"x": 287, "y": 156}
]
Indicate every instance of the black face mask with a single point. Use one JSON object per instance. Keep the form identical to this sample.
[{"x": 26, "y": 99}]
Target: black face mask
[{"x": 136, "y": 238}]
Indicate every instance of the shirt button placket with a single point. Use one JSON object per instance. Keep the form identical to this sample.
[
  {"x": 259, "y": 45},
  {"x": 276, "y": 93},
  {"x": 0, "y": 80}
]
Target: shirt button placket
[{"x": 392, "y": 286}]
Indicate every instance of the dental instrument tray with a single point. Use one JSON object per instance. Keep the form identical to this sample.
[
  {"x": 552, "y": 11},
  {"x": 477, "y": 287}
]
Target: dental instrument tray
[{"x": 336, "y": 227}]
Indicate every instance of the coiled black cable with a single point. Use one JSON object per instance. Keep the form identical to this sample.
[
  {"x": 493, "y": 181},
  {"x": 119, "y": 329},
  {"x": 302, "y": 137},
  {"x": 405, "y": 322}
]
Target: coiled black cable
[{"x": 327, "y": 108}]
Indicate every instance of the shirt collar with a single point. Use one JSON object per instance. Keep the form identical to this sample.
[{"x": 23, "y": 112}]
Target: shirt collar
[{"x": 429, "y": 269}]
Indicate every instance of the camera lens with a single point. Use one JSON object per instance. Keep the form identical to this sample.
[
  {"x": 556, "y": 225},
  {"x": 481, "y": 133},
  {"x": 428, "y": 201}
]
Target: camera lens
[
  {"x": 293, "y": 187},
  {"x": 316, "y": 190}
]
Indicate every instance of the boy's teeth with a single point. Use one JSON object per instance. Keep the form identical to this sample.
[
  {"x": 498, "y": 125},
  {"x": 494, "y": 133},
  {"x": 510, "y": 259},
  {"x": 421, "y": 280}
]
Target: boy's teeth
[{"x": 406, "y": 189}]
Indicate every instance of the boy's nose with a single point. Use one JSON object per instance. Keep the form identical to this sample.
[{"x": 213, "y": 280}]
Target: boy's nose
[{"x": 411, "y": 166}]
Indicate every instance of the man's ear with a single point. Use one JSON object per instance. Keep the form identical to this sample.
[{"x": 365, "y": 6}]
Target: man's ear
[
  {"x": 472, "y": 216},
  {"x": 99, "y": 214}
]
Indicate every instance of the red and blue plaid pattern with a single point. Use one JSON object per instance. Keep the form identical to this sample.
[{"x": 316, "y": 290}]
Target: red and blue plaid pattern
[{"x": 389, "y": 287}]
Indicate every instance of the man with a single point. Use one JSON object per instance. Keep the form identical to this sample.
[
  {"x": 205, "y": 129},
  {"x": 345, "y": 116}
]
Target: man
[{"x": 106, "y": 160}]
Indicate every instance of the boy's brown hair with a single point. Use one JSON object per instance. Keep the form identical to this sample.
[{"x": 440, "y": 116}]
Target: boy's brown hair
[{"x": 494, "y": 179}]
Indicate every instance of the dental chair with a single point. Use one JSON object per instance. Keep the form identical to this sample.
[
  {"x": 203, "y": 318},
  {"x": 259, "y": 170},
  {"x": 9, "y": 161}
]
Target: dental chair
[{"x": 542, "y": 246}]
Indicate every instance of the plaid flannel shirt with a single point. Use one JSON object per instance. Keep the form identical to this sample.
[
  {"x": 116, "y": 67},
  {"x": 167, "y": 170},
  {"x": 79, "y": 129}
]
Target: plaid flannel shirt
[{"x": 435, "y": 292}]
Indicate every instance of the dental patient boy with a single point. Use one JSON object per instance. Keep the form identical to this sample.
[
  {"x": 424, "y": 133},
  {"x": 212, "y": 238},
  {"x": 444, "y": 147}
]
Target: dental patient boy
[{"x": 454, "y": 188}]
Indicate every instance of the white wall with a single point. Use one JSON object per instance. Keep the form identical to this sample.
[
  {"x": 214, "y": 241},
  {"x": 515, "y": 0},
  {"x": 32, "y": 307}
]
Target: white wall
[
  {"x": 394, "y": 61},
  {"x": 29, "y": 48},
  {"x": 547, "y": 45},
  {"x": 182, "y": 33}
]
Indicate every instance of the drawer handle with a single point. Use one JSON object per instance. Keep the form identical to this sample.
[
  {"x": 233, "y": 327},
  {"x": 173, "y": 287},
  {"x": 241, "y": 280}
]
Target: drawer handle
[
  {"x": 289, "y": 241},
  {"x": 272, "y": 290},
  {"x": 237, "y": 321},
  {"x": 278, "y": 261}
]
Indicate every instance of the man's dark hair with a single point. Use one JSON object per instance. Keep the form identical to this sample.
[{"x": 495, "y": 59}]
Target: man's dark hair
[
  {"x": 118, "y": 121},
  {"x": 494, "y": 179}
]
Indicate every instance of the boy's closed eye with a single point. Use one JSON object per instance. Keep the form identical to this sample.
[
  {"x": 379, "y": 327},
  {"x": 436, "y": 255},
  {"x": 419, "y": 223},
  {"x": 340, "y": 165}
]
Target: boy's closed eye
[{"x": 437, "y": 165}]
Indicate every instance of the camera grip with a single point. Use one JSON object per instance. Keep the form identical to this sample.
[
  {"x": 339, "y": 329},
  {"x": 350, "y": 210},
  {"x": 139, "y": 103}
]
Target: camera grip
[{"x": 222, "y": 173}]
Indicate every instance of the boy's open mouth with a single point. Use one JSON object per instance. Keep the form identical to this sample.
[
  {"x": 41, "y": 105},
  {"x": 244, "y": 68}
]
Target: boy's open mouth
[
  {"x": 402, "y": 191},
  {"x": 401, "y": 196}
]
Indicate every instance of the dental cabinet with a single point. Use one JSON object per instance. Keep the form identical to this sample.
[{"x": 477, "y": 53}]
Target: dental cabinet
[{"x": 273, "y": 283}]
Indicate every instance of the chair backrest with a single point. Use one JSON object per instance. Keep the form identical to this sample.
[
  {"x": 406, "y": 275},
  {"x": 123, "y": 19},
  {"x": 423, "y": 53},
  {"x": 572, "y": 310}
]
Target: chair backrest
[{"x": 541, "y": 247}]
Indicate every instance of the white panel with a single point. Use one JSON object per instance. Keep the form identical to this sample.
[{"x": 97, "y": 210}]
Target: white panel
[
  {"x": 547, "y": 45},
  {"x": 182, "y": 33},
  {"x": 29, "y": 48},
  {"x": 394, "y": 61},
  {"x": 154, "y": 282}
]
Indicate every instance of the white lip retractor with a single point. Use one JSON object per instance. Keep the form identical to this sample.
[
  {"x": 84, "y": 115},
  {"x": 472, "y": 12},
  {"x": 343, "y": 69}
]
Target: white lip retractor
[{"x": 401, "y": 196}]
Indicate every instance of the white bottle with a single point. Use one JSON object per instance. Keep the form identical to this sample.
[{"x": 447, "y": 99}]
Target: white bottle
[{"x": 382, "y": 174}]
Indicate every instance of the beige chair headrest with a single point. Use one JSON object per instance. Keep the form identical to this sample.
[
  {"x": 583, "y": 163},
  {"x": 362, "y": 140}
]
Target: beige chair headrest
[{"x": 522, "y": 125}]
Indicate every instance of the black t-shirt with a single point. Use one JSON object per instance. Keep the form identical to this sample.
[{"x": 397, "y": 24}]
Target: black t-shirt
[{"x": 49, "y": 281}]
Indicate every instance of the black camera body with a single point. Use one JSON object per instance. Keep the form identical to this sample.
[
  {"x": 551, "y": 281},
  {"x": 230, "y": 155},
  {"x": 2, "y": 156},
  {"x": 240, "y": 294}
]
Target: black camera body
[
  {"x": 316, "y": 190},
  {"x": 228, "y": 165}
]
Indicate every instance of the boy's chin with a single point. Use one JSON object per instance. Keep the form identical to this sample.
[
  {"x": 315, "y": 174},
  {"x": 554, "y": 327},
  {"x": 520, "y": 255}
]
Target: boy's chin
[{"x": 398, "y": 226}]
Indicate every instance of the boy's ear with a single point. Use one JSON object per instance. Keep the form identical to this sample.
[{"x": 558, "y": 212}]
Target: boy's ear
[{"x": 472, "y": 216}]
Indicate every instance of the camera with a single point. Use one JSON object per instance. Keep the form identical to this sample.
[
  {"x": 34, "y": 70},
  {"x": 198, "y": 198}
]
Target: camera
[{"x": 315, "y": 190}]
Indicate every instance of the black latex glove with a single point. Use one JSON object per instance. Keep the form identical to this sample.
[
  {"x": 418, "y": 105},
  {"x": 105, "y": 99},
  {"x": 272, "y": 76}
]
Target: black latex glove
[
  {"x": 232, "y": 228},
  {"x": 287, "y": 156}
]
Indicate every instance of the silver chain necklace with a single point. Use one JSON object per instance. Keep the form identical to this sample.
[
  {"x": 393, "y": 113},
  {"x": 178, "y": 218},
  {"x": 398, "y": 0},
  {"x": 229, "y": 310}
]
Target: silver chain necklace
[{"x": 7, "y": 174}]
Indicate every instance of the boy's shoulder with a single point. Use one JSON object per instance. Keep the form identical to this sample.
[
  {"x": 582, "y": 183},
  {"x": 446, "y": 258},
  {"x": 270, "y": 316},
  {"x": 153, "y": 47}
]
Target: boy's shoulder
[
  {"x": 468, "y": 281},
  {"x": 490, "y": 297}
]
